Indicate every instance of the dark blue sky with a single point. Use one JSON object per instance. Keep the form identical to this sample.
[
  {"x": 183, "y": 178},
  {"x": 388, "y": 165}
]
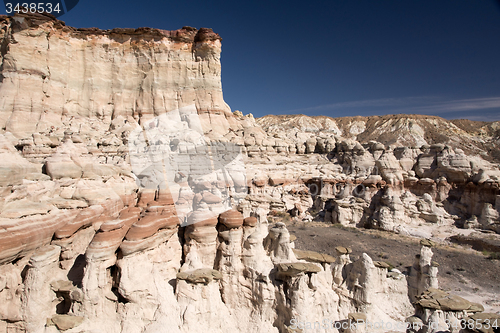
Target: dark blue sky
[{"x": 338, "y": 58}]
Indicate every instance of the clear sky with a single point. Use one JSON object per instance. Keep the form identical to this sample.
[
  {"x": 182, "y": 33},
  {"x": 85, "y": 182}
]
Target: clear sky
[{"x": 338, "y": 57}]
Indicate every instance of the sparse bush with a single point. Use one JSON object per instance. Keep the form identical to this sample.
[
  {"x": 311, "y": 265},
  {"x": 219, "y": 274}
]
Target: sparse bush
[
  {"x": 491, "y": 255},
  {"x": 346, "y": 228},
  {"x": 282, "y": 216},
  {"x": 494, "y": 256},
  {"x": 313, "y": 212}
]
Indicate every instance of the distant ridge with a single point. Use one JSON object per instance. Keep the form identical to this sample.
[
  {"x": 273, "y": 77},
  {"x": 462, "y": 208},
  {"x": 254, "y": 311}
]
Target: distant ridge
[{"x": 400, "y": 129}]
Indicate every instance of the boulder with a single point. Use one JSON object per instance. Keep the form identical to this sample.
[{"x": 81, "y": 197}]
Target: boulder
[
  {"x": 438, "y": 299},
  {"x": 202, "y": 275},
  {"x": 453, "y": 303},
  {"x": 427, "y": 242},
  {"x": 343, "y": 250},
  {"x": 382, "y": 264},
  {"x": 313, "y": 256},
  {"x": 65, "y": 322},
  {"x": 294, "y": 269}
]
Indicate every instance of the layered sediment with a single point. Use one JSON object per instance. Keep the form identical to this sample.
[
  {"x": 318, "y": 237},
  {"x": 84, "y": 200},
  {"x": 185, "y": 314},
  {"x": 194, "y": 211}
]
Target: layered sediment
[{"x": 133, "y": 199}]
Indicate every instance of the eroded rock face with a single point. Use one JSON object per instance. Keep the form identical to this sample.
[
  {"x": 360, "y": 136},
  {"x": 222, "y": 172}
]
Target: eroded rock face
[
  {"x": 120, "y": 76},
  {"x": 88, "y": 243},
  {"x": 438, "y": 310},
  {"x": 125, "y": 290},
  {"x": 429, "y": 182}
]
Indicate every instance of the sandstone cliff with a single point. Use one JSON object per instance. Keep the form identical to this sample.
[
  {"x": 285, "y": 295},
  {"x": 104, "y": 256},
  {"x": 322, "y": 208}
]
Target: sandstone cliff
[{"x": 51, "y": 72}]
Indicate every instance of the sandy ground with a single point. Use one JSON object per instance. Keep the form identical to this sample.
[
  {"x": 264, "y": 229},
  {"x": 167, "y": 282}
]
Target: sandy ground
[{"x": 463, "y": 271}]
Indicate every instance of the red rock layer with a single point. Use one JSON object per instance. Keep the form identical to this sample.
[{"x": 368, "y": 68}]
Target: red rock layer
[
  {"x": 204, "y": 234},
  {"x": 146, "y": 196},
  {"x": 202, "y": 218},
  {"x": 164, "y": 197},
  {"x": 151, "y": 223},
  {"x": 129, "y": 247},
  {"x": 231, "y": 219},
  {"x": 250, "y": 221},
  {"x": 109, "y": 237},
  {"x": 19, "y": 236},
  {"x": 84, "y": 218}
]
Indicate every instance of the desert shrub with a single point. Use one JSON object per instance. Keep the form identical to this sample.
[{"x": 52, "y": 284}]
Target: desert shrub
[
  {"x": 494, "y": 256},
  {"x": 283, "y": 216},
  {"x": 491, "y": 255},
  {"x": 313, "y": 212}
]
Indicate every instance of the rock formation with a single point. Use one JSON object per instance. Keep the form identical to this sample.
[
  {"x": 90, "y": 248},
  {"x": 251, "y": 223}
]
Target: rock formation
[{"x": 134, "y": 200}]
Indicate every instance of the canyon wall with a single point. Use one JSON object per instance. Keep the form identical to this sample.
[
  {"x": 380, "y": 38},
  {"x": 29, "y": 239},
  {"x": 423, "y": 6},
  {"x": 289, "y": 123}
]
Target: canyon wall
[
  {"x": 133, "y": 200},
  {"x": 51, "y": 72}
]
